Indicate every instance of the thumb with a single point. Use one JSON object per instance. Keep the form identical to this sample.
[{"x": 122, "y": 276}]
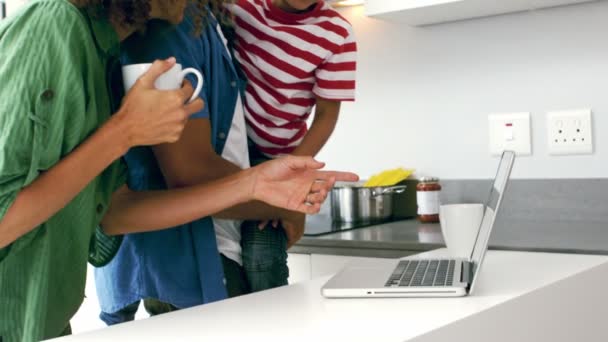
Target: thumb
[{"x": 156, "y": 69}]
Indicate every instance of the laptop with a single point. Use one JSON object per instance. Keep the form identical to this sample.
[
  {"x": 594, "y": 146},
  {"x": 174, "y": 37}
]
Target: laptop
[{"x": 416, "y": 277}]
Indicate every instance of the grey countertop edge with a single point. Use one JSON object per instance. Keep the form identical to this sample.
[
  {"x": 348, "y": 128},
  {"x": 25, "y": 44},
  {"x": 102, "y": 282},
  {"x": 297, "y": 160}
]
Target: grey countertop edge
[
  {"x": 401, "y": 238},
  {"x": 352, "y": 249},
  {"x": 400, "y": 245},
  {"x": 550, "y": 250},
  {"x": 355, "y": 248}
]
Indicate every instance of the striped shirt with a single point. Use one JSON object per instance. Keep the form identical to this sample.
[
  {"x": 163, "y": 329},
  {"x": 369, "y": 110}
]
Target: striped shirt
[{"x": 289, "y": 60}]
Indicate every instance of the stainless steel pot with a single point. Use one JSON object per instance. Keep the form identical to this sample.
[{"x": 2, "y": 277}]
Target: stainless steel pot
[{"x": 353, "y": 203}]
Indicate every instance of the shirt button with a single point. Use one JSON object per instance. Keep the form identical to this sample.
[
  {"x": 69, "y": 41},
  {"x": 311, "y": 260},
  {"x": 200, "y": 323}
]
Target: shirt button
[
  {"x": 222, "y": 135},
  {"x": 47, "y": 95},
  {"x": 233, "y": 84},
  {"x": 99, "y": 208}
]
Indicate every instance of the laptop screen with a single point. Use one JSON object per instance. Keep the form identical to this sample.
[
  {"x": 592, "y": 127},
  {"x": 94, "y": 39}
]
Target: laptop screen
[{"x": 491, "y": 208}]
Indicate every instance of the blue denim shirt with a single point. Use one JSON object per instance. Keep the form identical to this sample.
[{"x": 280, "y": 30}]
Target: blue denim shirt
[{"x": 181, "y": 265}]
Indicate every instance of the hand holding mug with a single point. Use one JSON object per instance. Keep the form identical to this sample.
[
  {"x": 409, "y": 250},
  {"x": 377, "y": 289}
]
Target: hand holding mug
[{"x": 155, "y": 111}]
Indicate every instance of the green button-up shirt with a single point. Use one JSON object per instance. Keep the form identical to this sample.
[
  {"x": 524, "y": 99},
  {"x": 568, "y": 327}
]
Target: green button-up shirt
[{"x": 54, "y": 93}]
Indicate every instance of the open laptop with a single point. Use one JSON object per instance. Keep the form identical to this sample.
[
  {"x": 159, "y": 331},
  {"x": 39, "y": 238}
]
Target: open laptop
[{"x": 415, "y": 277}]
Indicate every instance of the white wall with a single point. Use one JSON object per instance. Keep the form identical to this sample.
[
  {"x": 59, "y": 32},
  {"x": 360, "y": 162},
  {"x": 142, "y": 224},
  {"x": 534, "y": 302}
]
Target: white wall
[{"x": 423, "y": 94}]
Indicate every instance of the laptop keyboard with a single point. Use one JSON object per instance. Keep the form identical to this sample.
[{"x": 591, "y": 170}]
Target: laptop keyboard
[{"x": 422, "y": 273}]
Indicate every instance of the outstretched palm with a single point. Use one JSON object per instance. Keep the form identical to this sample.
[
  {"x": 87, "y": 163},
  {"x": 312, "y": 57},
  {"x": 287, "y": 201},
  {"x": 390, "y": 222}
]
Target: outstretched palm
[{"x": 296, "y": 183}]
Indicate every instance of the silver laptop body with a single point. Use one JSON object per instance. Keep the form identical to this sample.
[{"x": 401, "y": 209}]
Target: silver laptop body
[{"x": 416, "y": 277}]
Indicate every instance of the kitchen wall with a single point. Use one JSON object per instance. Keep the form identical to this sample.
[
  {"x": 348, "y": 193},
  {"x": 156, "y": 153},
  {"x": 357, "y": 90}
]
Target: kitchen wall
[{"x": 423, "y": 94}]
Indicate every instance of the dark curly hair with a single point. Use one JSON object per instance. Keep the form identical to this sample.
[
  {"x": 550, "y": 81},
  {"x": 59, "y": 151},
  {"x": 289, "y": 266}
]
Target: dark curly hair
[{"x": 137, "y": 12}]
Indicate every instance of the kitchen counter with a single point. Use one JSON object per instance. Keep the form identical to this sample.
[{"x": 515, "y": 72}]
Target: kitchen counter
[
  {"x": 400, "y": 238},
  {"x": 521, "y": 296}
]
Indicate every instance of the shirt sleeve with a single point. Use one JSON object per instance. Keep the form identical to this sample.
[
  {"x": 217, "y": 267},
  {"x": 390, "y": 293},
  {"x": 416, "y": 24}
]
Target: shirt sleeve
[
  {"x": 162, "y": 40},
  {"x": 38, "y": 59},
  {"x": 335, "y": 77}
]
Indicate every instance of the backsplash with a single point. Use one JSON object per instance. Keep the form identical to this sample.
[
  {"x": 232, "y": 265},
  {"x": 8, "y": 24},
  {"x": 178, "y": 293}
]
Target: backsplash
[
  {"x": 537, "y": 213},
  {"x": 574, "y": 200}
]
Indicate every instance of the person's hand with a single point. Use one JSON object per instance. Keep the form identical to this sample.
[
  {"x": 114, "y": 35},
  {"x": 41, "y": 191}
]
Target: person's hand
[
  {"x": 293, "y": 223},
  {"x": 295, "y": 183},
  {"x": 149, "y": 116}
]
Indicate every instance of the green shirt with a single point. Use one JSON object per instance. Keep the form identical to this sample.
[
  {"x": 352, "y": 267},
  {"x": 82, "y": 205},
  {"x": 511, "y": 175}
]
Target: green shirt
[{"x": 54, "y": 62}]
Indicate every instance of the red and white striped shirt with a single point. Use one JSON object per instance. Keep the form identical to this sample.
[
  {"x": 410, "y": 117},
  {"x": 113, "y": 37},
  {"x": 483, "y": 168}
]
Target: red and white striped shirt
[{"x": 289, "y": 60}]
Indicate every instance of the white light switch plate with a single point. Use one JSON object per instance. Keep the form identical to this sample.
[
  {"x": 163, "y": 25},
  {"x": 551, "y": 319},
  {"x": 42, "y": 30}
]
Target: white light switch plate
[
  {"x": 510, "y": 131},
  {"x": 569, "y": 132}
]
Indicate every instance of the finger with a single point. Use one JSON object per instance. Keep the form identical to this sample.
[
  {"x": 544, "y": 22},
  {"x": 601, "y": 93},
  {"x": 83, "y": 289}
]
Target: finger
[
  {"x": 297, "y": 162},
  {"x": 338, "y": 175},
  {"x": 186, "y": 90},
  {"x": 318, "y": 197},
  {"x": 275, "y": 223},
  {"x": 309, "y": 209},
  {"x": 319, "y": 185},
  {"x": 330, "y": 182},
  {"x": 195, "y": 106},
  {"x": 262, "y": 224},
  {"x": 156, "y": 69}
]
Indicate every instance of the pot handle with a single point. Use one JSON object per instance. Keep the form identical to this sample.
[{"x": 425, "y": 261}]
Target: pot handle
[{"x": 397, "y": 189}]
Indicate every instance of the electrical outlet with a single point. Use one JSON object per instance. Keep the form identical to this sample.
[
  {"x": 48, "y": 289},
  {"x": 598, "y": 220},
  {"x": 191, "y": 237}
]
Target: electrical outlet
[
  {"x": 509, "y": 132},
  {"x": 570, "y": 132}
]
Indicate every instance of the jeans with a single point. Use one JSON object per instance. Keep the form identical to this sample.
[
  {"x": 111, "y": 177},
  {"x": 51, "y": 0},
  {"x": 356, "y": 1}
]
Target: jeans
[
  {"x": 264, "y": 255},
  {"x": 236, "y": 285},
  {"x": 264, "y": 251},
  {"x": 153, "y": 307}
]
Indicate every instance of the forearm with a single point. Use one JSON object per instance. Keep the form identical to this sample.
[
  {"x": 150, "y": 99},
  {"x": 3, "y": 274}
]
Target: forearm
[
  {"x": 215, "y": 167},
  {"x": 253, "y": 210},
  {"x": 57, "y": 186},
  {"x": 293, "y": 183},
  {"x": 314, "y": 140},
  {"x": 323, "y": 124},
  {"x": 132, "y": 211}
]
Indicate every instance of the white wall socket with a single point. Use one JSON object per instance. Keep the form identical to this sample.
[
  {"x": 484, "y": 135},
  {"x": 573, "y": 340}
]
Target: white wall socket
[
  {"x": 509, "y": 132},
  {"x": 570, "y": 132}
]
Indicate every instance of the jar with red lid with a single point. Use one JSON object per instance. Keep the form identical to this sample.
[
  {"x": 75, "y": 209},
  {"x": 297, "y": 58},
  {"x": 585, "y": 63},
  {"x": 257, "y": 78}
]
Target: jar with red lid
[{"x": 427, "y": 198}]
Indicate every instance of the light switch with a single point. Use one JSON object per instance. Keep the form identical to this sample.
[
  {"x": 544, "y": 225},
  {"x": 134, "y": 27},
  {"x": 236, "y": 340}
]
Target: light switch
[{"x": 510, "y": 131}]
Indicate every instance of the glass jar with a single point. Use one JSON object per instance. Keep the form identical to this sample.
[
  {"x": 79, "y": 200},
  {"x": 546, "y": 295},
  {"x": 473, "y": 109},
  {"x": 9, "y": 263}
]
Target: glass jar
[{"x": 427, "y": 198}]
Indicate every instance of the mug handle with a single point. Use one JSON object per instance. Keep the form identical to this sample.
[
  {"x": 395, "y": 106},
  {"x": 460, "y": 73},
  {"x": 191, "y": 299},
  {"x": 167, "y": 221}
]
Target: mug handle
[{"x": 199, "y": 84}]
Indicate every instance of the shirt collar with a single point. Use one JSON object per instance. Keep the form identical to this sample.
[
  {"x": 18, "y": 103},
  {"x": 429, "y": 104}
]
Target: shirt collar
[{"x": 105, "y": 36}]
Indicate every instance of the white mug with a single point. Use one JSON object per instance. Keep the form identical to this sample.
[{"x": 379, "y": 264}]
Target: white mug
[
  {"x": 170, "y": 80},
  {"x": 460, "y": 226}
]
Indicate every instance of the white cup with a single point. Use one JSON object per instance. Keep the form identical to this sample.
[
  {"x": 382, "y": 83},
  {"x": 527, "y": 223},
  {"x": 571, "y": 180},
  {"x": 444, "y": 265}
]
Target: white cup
[
  {"x": 459, "y": 226},
  {"x": 170, "y": 80}
]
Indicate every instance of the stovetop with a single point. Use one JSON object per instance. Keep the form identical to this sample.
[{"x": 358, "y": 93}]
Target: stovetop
[{"x": 321, "y": 224}]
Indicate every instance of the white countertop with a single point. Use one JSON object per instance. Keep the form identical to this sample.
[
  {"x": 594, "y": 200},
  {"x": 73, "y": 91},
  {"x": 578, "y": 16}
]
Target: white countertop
[{"x": 520, "y": 294}]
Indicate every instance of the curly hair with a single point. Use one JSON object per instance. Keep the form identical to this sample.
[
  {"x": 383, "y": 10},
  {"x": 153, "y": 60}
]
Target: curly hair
[{"x": 137, "y": 12}]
